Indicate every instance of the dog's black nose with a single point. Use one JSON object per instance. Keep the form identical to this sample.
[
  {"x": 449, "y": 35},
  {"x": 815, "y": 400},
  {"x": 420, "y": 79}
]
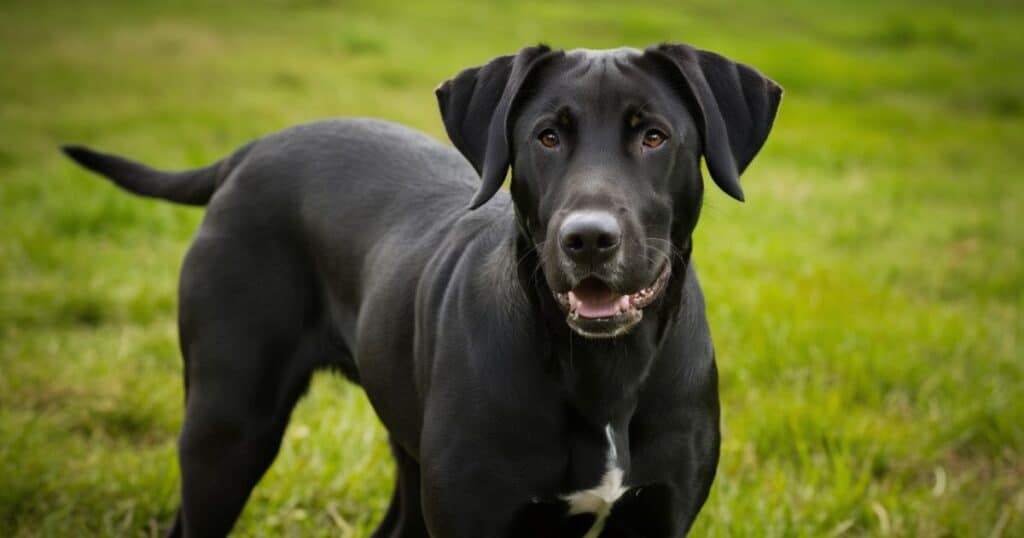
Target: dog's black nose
[{"x": 590, "y": 236}]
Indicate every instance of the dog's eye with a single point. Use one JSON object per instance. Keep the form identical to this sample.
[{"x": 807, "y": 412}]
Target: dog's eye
[
  {"x": 549, "y": 138},
  {"x": 654, "y": 138}
]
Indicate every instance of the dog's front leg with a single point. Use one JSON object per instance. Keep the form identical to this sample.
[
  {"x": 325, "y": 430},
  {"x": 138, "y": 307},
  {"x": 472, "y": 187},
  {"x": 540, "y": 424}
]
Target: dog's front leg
[
  {"x": 468, "y": 492},
  {"x": 480, "y": 468}
]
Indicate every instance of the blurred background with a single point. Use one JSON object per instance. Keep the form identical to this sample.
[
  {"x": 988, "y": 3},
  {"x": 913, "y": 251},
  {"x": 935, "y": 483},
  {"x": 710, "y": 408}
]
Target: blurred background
[{"x": 866, "y": 299}]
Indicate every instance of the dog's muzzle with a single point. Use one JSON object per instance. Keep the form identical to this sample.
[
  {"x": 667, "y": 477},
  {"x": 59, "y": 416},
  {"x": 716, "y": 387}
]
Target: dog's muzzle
[{"x": 594, "y": 310}]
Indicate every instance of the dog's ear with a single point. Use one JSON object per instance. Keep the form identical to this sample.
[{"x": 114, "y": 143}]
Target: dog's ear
[
  {"x": 475, "y": 109},
  {"x": 737, "y": 104}
]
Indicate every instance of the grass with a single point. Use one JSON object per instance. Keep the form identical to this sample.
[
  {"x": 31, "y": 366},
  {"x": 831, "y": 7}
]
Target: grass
[{"x": 866, "y": 300}]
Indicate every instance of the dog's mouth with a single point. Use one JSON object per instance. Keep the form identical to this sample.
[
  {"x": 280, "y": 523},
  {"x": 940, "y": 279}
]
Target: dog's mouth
[{"x": 596, "y": 311}]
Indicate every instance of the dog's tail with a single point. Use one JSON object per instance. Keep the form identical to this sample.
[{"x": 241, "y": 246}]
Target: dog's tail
[{"x": 192, "y": 187}]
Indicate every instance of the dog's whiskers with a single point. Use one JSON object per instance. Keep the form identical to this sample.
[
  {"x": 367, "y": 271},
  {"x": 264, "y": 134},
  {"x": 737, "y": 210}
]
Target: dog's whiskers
[
  {"x": 673, "y": 251},
  {"x": 534, "y": 247}
]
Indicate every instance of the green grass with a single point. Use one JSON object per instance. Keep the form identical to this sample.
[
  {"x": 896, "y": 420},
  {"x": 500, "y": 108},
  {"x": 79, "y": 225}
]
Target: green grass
[{"x": 866, "y": 300}]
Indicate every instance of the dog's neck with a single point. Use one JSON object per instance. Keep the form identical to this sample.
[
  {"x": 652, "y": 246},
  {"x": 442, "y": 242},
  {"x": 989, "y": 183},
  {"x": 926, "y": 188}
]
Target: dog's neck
[{"x": 601, "y": 378}]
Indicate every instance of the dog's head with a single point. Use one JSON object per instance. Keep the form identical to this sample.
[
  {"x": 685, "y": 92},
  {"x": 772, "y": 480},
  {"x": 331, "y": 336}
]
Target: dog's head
[{"x": 605, "y": 150}]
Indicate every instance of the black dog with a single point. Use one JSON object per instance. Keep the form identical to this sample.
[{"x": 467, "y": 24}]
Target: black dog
[{"x": 542, "y": 363}]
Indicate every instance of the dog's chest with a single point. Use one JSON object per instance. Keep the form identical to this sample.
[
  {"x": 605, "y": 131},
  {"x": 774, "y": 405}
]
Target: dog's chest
[{"x": 599, "y": 498}]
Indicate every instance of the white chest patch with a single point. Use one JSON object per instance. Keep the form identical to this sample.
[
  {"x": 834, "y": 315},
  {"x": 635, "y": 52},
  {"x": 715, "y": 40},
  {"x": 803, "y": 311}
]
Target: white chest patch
[{"x": 599, "y": 499}]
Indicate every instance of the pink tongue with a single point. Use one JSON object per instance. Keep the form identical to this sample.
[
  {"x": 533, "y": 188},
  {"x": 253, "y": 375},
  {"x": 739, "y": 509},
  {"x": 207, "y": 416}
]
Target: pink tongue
[{"x": 594, "y": 301}]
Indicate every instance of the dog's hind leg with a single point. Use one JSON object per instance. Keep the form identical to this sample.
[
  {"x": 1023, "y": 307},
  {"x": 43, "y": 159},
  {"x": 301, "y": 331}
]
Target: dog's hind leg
[
  {"x": 404, "y": 518},
  {"x": 251, "y": 341}
]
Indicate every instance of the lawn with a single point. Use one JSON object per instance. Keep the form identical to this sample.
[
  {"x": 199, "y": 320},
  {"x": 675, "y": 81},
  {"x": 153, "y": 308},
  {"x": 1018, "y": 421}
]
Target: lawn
[{"x": 866, "y": 300}]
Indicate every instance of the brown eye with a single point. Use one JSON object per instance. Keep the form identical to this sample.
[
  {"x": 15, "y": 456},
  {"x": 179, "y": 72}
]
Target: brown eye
[
  {"x": 548, "y": 138},
  {"x": 654, "y": 138}
]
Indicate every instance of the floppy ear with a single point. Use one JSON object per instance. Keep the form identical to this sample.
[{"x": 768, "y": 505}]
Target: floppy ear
[
  {"x": 737, "y": 104},
  {"x": 475, "y": 108}
]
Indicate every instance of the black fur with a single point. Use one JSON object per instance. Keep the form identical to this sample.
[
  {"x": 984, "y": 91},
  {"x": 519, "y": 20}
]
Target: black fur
[{"x": 346, "y": 244}]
